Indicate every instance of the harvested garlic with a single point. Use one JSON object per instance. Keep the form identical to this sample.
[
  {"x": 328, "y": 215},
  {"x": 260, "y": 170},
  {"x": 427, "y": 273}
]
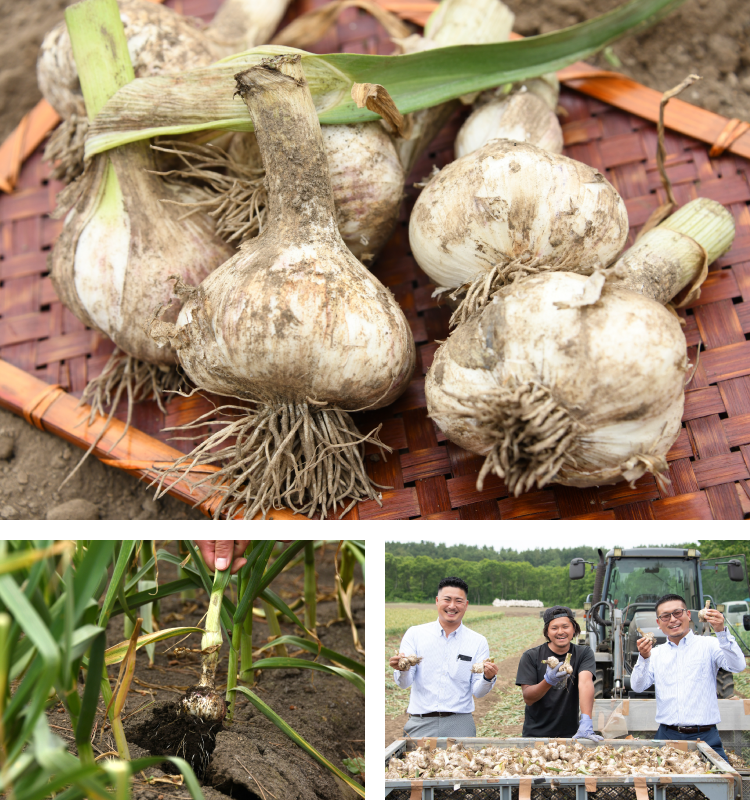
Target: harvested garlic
[
  {"x": 551, "y": 662},
  {"x": 479, "y": 666},
  {"x": 702, "y": 613},
  {"x": 649, "y": 636},
  {"x": 566, "y": 666},
  {"x": 407, "y": 662}
]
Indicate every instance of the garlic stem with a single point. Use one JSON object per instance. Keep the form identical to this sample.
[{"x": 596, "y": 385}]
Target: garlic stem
[
  {"x": 100, "y": 50},
  {"x": 671, "y": 256},
  {"x": 212, "y": 637}
]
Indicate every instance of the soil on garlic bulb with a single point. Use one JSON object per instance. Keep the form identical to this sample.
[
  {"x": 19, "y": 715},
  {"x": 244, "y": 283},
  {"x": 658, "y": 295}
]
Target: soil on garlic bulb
[{"x": 563, "y": 378}]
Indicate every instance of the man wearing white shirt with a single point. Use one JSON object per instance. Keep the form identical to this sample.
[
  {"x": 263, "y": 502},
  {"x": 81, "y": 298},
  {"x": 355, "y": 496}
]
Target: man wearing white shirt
[
  {"x": 683, "y": 670},
  {"x": 443, "y": 686}
]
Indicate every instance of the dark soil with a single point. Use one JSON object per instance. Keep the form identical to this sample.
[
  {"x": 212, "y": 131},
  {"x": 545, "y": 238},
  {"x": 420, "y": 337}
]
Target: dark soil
[
  {"x": 249, "y": 758},
  {"x": 710, "y": 37}
]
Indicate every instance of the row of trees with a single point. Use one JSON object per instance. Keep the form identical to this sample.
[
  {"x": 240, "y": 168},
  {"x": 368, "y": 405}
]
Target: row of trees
[
  {"x": 548, "y": 557},
  {"x": 414, "y": 578}
]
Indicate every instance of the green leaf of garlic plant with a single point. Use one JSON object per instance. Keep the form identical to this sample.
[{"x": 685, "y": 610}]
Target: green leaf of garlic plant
[
  {"x": 203, "y": 99},
  {"x": 51, "y": 627}
]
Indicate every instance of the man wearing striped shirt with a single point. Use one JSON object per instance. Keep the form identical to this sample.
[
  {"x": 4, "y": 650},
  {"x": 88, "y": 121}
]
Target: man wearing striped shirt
[
  {"x": 443, "y": 686},
  {"x": 683, "y": 670}
]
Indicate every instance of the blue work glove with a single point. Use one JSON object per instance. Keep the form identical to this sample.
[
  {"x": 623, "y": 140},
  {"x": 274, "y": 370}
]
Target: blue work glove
[
  {"x": 553, "y": 676},
  {"x": 586, "y": 729}
]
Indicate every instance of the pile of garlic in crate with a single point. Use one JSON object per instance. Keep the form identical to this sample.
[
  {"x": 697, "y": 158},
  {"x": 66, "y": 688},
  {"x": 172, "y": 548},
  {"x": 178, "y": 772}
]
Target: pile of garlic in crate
[{"x": 561, "y": 760}]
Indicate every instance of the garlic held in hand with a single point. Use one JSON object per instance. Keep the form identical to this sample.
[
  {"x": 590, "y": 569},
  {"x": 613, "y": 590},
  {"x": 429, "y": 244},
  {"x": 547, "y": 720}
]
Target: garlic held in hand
[
  {"x": 478, "y": 668},
  {"x": 407, "y": 662},
  {"x": 702, "y": 613},
  {"x": 509, "y": 210},
  {"x": 293, "y": 323},
  {"x": 573, "y": 380},
  {"x": 650, "y": 637},
  {"x": 523, "y": 117}
]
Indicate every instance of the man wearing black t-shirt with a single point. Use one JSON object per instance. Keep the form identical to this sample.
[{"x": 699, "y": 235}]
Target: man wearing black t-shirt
[{"x": 553, "y": 697}]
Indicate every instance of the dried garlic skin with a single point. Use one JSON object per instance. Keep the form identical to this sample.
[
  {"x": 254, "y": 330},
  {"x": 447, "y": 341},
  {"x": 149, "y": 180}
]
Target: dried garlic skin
[
  {"x": 702, "y": 613},
  {"x": 478, "y": 668},
  {"x": 651, "y": 637},
  {"x": 407, "y": 662}
]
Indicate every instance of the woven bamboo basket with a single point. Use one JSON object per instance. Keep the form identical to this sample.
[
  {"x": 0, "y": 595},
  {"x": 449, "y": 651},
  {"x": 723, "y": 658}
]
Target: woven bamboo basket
[{"x": 47, "y": 356}]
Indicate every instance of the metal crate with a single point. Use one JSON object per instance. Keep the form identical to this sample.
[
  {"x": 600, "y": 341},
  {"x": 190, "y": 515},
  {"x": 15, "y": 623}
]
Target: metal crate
[{"x": 726, "y": 786}]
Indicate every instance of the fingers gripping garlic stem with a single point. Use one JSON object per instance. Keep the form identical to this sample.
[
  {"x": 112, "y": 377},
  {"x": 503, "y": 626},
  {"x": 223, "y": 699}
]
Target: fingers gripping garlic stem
[
  {"x": 293, "y": 323},
  {"x": 541, "y": 384},
  {"x": 509, "y": 210},
  {"x": 522, "y": 117}
]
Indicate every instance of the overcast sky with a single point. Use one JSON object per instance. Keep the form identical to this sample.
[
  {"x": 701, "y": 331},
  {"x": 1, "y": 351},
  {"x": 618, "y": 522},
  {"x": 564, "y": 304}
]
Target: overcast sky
[{"x": 541, "y": 544}]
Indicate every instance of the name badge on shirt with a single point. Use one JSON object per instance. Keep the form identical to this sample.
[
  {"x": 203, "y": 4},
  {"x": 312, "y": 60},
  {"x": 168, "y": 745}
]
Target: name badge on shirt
[{"x": 463, "y": 658}]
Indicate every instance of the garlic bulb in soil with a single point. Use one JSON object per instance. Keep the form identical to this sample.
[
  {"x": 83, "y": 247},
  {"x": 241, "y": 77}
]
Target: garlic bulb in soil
[
  {"x": 509, "y": 210},
  {"x": 366, "y": 177},
  {"x": 293, "y": 323},
  {"x": 522, "y": 117},
  {"x": 203, "y": 701},
  {"x": 571, "y": 379}
]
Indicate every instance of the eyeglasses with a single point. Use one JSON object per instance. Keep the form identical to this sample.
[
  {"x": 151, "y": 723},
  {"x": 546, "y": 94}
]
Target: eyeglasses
[{"x": 676, "y": 614}]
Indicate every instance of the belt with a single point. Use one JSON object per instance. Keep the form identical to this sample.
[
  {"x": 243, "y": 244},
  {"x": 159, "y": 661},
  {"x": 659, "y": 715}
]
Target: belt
[
  {"x": 436, "y": 714},
  {"x": 690, "y": 728}
]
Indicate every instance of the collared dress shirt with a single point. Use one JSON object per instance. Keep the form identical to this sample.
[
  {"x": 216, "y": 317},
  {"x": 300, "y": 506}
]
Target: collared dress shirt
[
  {"x": 442, "y": 681},
  {"x": 685, "y": 677}
]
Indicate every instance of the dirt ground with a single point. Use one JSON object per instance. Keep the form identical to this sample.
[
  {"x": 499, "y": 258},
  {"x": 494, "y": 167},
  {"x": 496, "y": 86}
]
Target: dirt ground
[
  {"x": 710, "y": 37},
  {"x": 327, "y": 711}
]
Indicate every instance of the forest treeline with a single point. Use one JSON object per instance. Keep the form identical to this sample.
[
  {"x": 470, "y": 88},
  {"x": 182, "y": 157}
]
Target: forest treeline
[{"x": 412, "y": 575}]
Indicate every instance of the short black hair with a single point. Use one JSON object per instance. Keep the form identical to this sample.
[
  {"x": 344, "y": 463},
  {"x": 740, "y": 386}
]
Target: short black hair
[
  {"x": 456, "y": 582},
  {"x": 551, "y": 614},
  {"x": 667, "y": 598}
]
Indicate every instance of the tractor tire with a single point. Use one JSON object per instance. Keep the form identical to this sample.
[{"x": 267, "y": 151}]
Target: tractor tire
[
  {"x": 724, "y": 684},
  {"x": 599, "y": 685}
]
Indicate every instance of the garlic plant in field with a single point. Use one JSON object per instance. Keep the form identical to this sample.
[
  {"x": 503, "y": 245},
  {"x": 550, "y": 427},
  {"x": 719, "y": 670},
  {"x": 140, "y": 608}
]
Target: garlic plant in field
[
  {"x": 294, "y": 324},
  {"x": 578, "y": 380},
  {"x": 510, "y": 210},
  {"x": 554, "y": 760}
]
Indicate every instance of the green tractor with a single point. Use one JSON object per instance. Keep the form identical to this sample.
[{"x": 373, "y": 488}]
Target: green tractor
[{"x": 627, "y": 585}]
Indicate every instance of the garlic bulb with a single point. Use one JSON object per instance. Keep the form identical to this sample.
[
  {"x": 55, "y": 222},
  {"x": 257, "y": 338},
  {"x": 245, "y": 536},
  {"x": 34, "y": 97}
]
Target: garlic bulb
[
  {"x": 509, "y": 210},
  {"x": 293, "y": 323},
  {"x": 541, "y": 383},
  {"x": 651, "y": 637},
  {"x": 478, "y": 668},
  {"x": 702, "y": 613},
  {"x": 120, "y": 244},
  {"x": 366, "y": 177},
  {"x": 522, "y": 117},
  {"x": 407, "y": 662}
]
